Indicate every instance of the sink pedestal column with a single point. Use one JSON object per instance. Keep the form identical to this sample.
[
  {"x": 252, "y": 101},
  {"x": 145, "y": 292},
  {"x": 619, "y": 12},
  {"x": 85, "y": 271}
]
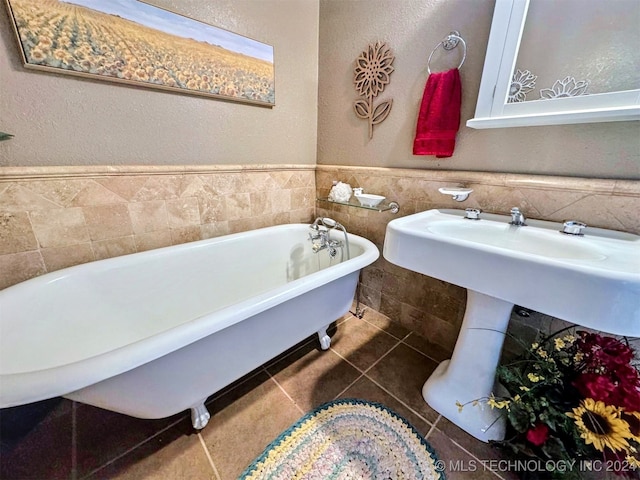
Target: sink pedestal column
[{"x": 470, "y": 373}]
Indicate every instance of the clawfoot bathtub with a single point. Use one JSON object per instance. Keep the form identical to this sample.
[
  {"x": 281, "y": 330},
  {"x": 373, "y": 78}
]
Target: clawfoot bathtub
[{"x": 155, "y": 333}]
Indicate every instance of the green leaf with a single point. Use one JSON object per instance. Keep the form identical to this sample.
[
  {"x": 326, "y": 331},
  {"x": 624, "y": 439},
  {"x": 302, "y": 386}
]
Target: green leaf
[
  {"x": 519, "y": 418},
  {"x": 5, "y": 136},
  {"x": 554, "y": 448}
]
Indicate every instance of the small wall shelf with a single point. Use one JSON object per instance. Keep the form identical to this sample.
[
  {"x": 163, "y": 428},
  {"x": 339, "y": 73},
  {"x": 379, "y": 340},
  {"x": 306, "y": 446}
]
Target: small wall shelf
[{"x": 392, "y": 207}]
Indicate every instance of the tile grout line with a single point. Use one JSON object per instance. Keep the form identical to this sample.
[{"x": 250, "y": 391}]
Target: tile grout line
[
  {"x": 402, "y": 339},
  {"x": 472, "y": 455},
  {"x": 348, "y": 386},
  {"x": 284, "y": 391},
  {"x": 403, "y": 403},
  {"x": 362, "y": 372},
  {"x": 379, "y": 328},
  {"x": 419, "y": 351},
  {"x": 384, "y": 355},
  {"x": 433, "y": 427},
  {"x": 206, "y": 452},
  {"x": 139, "y": 444}
]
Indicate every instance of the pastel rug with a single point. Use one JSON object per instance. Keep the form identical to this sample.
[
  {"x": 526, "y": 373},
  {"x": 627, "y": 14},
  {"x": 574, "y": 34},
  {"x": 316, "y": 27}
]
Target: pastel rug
[{"x": 347, "y": 439}]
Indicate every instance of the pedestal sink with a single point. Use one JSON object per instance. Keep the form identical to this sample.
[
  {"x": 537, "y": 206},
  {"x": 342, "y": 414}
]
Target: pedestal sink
[{"x": 591, "y": 280}]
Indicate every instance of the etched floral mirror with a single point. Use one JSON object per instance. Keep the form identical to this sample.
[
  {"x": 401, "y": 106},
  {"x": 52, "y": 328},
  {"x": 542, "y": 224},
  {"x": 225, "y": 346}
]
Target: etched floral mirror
[{"x": 551, "y": 62}]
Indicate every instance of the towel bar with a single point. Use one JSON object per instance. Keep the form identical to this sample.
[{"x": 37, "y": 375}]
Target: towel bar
[{"x": 449, "y": 43}]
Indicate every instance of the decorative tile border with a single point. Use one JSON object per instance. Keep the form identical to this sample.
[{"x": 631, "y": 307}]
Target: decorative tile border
[{"x": 77, "y": 171}]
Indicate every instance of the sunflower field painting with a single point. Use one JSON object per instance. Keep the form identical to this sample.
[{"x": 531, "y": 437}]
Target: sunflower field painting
[{"x": 133, "y": 42}]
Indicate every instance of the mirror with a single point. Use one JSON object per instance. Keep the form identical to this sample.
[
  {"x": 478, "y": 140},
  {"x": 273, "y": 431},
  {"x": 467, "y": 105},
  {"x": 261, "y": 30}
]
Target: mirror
[{"x": 551, "y": 63}]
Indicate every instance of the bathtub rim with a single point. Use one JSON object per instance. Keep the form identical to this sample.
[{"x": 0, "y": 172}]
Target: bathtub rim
[{"x": 16, "y": 388}]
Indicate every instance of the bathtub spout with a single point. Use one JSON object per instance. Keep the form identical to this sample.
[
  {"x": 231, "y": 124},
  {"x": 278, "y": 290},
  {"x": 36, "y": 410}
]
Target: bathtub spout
[{"x": 200, "y": 416}]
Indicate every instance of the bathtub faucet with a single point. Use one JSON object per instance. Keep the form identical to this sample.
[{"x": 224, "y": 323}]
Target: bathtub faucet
[{"x": 321, "y": 238}]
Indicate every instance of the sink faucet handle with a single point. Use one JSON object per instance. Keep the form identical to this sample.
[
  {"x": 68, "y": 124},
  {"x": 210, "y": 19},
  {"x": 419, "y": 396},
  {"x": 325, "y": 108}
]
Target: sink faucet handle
[
  {"x": 573, "y": 227},
  {"x": 472, "y": 213}
]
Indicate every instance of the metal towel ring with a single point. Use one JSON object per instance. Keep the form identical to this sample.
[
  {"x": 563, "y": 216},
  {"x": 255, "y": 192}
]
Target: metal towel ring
[{"x": 449, "y": 43}]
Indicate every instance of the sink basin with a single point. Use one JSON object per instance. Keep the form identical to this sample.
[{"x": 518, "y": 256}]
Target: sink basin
[
  {"x": 591, "y": 280},
  {"x": 523, "y": 240}
]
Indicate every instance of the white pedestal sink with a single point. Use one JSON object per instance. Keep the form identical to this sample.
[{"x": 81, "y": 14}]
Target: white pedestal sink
[{"x": 591, "y": 280}]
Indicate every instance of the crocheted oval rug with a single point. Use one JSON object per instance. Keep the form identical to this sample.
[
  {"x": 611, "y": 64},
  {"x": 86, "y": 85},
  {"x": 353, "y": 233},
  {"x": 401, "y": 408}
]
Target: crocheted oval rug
[{"x": 347, "y": 439}]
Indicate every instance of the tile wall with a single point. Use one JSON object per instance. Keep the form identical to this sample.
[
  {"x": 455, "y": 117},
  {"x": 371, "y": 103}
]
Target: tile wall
[
  {"x": 55, "y": 217},
  {"x": 432, "y": 308}
]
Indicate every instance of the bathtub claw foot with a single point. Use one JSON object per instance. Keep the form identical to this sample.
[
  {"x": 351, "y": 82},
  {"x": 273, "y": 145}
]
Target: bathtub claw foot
[
  {"x": 199, "y": 416},
  {"x": 325, "y": 340}
]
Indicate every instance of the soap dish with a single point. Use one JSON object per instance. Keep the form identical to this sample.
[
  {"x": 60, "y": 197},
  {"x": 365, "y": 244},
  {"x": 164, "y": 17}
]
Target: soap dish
[
  {"x": 369, "y": 200},
  {"x": 458, "y": 194}
]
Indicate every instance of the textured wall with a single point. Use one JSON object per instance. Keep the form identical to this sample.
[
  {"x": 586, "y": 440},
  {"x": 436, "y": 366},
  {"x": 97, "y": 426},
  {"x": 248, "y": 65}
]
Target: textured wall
[
  {"x": 64, "y": 120},
  {"x": 412, "y": 28}
]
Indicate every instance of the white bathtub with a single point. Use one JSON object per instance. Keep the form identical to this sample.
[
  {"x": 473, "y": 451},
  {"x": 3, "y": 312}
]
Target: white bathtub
[{"x": 155, "y": 333}]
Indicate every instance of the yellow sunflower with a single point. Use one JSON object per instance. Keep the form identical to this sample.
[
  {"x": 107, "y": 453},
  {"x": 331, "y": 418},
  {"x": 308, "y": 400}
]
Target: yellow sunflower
[
  {"x": 633, "y": 462},
  {"x": 601, "y": 425}
]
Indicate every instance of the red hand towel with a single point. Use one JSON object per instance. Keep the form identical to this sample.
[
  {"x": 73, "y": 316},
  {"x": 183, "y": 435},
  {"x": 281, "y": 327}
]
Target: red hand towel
[{"x": 439, "y": 117}]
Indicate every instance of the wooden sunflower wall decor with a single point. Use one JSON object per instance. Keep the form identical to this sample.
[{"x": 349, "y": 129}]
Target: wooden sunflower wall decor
[{"x": 371, "y": 76}]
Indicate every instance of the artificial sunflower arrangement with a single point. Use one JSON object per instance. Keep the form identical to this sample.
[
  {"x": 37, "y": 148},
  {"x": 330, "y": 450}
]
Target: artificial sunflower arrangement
[{"x": 573, "y": 398}]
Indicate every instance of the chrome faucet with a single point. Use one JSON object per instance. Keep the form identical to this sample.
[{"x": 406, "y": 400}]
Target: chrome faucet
[
  {"x": 517, "y": 218},
  {"x": 319, "y": 239}
]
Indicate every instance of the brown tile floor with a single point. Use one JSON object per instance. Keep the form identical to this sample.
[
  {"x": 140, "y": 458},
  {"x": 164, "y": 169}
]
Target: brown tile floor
[{"x": 370, "y": 358}]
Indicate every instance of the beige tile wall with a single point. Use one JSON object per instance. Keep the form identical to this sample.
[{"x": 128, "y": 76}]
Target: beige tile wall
[
  {"x": 430, "y": 307},
  {"x": 55, "y": 217}
]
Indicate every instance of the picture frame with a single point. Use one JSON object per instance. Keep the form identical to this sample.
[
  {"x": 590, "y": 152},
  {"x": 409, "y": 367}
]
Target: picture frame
[{"x": 136, "y": 43}]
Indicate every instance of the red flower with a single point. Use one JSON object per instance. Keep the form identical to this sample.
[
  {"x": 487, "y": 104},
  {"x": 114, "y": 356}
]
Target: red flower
[
  {"x": 614, "y": 351},
  {"x": 592, "y": 385},
  {"x": 538, "y": 434},
  {"x": 603, "y": 351},
  {"x": 628, "y": 397},
  {"x": 627, "y": 375}
]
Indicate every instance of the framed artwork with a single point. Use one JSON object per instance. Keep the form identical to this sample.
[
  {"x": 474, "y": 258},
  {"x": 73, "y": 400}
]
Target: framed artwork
[{"x": 133, "y": 42}]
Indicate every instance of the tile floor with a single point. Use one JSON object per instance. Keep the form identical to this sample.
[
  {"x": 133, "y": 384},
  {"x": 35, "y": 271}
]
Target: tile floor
[{"x": 370, "y": 358}]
